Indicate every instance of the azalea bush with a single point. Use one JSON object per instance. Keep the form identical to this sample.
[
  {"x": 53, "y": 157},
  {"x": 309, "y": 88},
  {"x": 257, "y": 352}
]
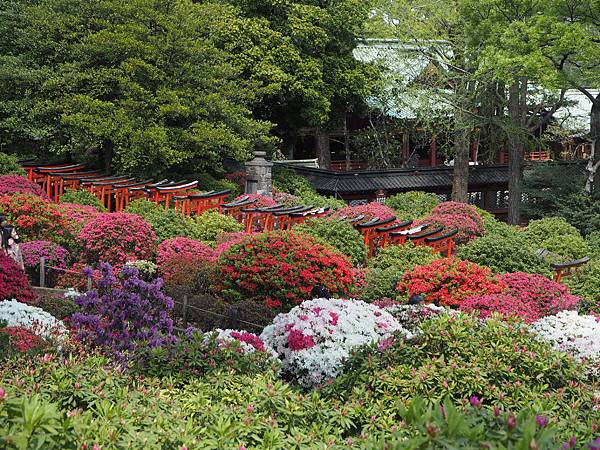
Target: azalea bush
[
  {"x": 449, "y": 281},
  {"x": 315, "y": 338},
  {"x": 412, "y": 204},
  {"x": 147, "y": 269},
  {"x": 528, "y": 297},
  {"x": 467, "y": 229},
  {"x": 226, "y": 240},
  {"x": 78, "y": 215},
  {"x": 116, "y": 238},
  {"x": 281, "y": 269},
  {"x": 262, "y": 201},
  {"x": 35, "y": 218},
  {"x": 460, "y": 209},
  {"x": 504, "y": 254},
  {"x": 20, "y": 340},
  {"x": 180, "y": 260},
  {"x": 82, "y": 197},
  {"x": 557, "y": 236},
  {"x": 386, "y": 269},
  {"x": 338, "y": 234},
  {"x": 40, "y": 322},
  {"x": 212, "y": 223},
  {"x": 573, "y": 333},
  {"x": 121, "y": 317},
  {"x": 13, "y": 281},
  {"x": 166, "y": 223},
  {"x": 56, "y": 258},
  {"x": 369, "y": 210},
  {"x": 12, "y": 184}
]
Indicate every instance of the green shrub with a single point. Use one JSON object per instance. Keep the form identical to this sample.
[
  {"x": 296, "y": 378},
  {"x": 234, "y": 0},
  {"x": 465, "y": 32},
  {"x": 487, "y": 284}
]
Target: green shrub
[
  {"x": 338, "y": 234},
  {"x": 413, "y": 204},
  {"x": 166, "y": 223},
  {"x": 457, "y": 357},
  {"x": 211, "y": 223},
  {"x": 385, "y": 270},
  {"x": 58, "y": 305},
  {"x": 580, "y": 210},
  {"x": 82, "y": 197},
  {"x": 586, "y": 284},
  {"x": 557, "y": 236},
  {"x": 593, "y": 242},
  {"x": 286, "y": 180},
  {"x": 10, "y": 166},
  {"x": 320, "y": 201},
  {"x": 504, "y": 254},
  {"x": 207, "y": 182}
]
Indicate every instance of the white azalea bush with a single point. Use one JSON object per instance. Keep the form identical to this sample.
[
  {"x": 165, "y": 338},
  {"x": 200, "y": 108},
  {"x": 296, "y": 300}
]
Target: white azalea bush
[
  {"x": 315, "y": 338},
  {"x": 249, "y": 342},
  {"x": 18, "y": 314},
  {"x": 576, "y": 334}
]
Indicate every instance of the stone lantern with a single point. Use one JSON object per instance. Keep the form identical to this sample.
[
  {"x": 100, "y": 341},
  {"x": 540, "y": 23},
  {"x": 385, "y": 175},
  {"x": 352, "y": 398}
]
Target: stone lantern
[{"x": 258, "y": 175}]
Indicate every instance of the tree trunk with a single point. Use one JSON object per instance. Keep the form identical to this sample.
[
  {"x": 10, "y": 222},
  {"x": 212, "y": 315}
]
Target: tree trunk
[
  {"x": 105, "y": 158},
  {"x": 322, "y": 148},
  {"x": 594, "y": 162},
  {"x": 517, "y": 98},
  {"x": 460, "y": 174}
]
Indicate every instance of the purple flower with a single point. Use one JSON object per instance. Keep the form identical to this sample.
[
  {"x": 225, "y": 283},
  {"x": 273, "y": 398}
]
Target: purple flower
[
  {"x": 511, "y": 422},
  {"x": 595, "y": 445},
  {"x": 88, "y": 272},
  {"x": 542, "y": 421},
  {"x": 475, "y": 402}
]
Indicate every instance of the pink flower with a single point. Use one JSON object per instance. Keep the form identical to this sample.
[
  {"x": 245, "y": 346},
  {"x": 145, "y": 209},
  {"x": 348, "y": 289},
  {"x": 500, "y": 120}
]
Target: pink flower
[
  {"x": 475, "y": 402},
  {"x": 2, "y": 394},
  {"x": 299, "y": 341},
  {"x": 250, "y": 408}
]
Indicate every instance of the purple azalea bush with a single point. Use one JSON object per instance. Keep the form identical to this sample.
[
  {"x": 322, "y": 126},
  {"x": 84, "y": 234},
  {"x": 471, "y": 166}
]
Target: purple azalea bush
[{"x": 124, "y": 313}]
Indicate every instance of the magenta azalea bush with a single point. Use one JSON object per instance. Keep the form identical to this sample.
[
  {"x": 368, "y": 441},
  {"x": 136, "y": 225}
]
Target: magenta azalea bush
[
  {"x": 262, "y": 201},
  {"x": 117, "y": 238},
  {"x": 10, "y": 184},
  {"x": 528, "y": 297},
  {"x": 370, "y": 210},
  {"x": 180, "y": 259},
  {"x": 458, "y": 208},
  {"x": 315, "y": 338},
  {"x": 465, "y": 226},
  {"x": 78, "y": 215},
  {"x": 120, "y": 317},
  {"x": 56, "y": 257}
]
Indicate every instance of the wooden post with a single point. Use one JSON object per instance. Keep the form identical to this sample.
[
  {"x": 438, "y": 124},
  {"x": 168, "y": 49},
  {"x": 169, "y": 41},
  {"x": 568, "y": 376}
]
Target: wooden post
[
  {"x": 89, "y": 283},
  {"x": 43, "y": 271},
  {"x": 185, "y": 308}
]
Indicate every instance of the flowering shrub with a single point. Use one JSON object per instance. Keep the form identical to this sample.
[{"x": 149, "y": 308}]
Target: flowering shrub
[
  {"x": 248, "y": 342},
  {"x": 339, "y": 235},
  {"x": 504, "y": 254},
  {"x": 283, "y": 198},
  {"x": 147, "y": 269},
  {"x": 370, "y": 210},
  {"x": 18, "y": 314},
  {"x": 461, "y": 209},
  {"x": 467, "y": 228},
  {"x": 576, "y": 334},
  {"x": 411, "y": 316},
  {"x": 84, "y": 198},
  {"x": 262, "y": 201},
  {"x": 13, "y": 281},
  {"x": 503, "y": 304},
  {"x": 413, "y": 204},
  {"x": 315, "y": 338},
  {"x": 77, "y": 277},
  {"x": 12, "y": 184},
  {"x": 212, "y": 223},
  {"x": 56, "y": 257},
  {"x": 166, "y": 223},
  {"x": 35, "y": 218},
  {"x": 116, "y": 238},
  {"x": 226, "y": 240},
  {"x": 179, "y": 259},
  {"x": 281, "y": 269},
  {"x": 119, "y": 319},
  {"x": 238, "y": 178},
  {"x": 22, "y": 339},
  {"x": 78, "y": 215},
  {"x": 449, "y": 281}
]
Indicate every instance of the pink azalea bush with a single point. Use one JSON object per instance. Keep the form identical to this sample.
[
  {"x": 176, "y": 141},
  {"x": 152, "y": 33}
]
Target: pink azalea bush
[
  {"x": 315, "y": 338},
  {"x": 78, "y": 214},
  {"x": 460, "y": 209},
  {"x": 10, "y": 184},
  {"x": 180, "y": 258},
  {"x": 262, "y": 201},
  {"x": 370, "y": 210},
  {"x": 528, "y": 297},
  {"x": 284, "y": 198},
  {"x": 249, "y": 342},
  {"x": 466, "y": 227},
  {"x": 226, "y": 240},
  {"x": 117, "y": 238},
  {"x": 55, "y": 255}
]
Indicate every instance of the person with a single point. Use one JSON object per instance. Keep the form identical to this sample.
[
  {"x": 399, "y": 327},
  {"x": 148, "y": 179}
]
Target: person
[
  {"x": 320, "y": 292},
  {"x": 10, "y": 244}
]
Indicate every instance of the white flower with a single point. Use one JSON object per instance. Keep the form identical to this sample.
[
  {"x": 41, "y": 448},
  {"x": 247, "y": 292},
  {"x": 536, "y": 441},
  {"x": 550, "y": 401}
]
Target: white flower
[
  {"x": 576, "y": 334},
  {"x": 315, "y": 338},
  {"x": 19, "y": 314}
]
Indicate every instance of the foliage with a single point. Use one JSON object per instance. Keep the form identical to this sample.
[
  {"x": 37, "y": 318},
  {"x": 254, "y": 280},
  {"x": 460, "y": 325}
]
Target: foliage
[
  {"x": 13, "y": 281},
  {"x": 119, "y": 320},
  {"x": 369, "y": 210},
  {"x": 585, "y": 285},
  {"x": 181, "y": 260},
  {"x": 9, "y": 165},
  {"x": 166, "y": 223},
  {"x": 449, "y": 281},
  {"x": 315, "y": 338},
  {"x": 557, "y": 236},
  {"x": 197, "y": 354},
  {"x": 82, "y": 197},
  {"x": 35, "y": 218},
  {"x": 207, "y": 182},
  {"x": 211, "y": 223},
  {"x": 116, "y": 238},
  {"x": 580, "y": 210},
  {"x": 339, "y": 235},
  {"x": 387, "y": 268},
  {"x": 56, "y": 258},
  {"x": 412, "y": 204},
  {"x": 281, "y": 269},
  {"x": 593, "y": 242},
  {"x": 503, "y": 254},
  {"x": 22, "y": 340},
  {"x": 460, "y": 357},
  {"x": 60, "y": 306},
  {"x": 11, "y": 184},
  {"x": 286, "y": 180}
]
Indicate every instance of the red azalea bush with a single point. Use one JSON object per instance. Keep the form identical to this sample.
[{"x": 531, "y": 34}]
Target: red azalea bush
[
  {"x": 449, "y": 281},
  {"x": 13, "y": 281},
  {"x": 504, "y": 304},
  {"x": 370, "y": 210},
  {"x": 281, "y": 269},
  {"x": 35, "y": 218},
  {"x": 117, "y": 238},
  {"x": 180, "y": 258},
  {"x": 262, "y": 201},
  {"x": 22, "y": 339},
  {"x": 11, "y": 184},
  {"x": 460, "y": 209},
  {"x": 467, "y": 228}
]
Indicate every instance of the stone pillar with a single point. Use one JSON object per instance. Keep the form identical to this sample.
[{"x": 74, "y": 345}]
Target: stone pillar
[{"x": 258, "y": 175}]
